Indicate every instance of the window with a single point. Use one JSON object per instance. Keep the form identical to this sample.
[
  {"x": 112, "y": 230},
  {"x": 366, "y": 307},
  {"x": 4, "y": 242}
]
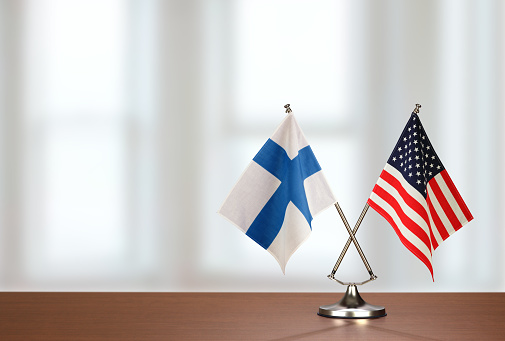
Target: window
[{"x": 86, "y": 134}]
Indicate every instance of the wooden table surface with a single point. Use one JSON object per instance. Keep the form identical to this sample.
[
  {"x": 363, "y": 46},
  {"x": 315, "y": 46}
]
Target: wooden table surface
[{"x": 246, "y": 316}]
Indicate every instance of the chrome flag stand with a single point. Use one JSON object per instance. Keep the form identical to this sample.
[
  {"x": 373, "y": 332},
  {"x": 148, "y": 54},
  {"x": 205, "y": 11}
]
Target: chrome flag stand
[{"x": 352, "y": 306}]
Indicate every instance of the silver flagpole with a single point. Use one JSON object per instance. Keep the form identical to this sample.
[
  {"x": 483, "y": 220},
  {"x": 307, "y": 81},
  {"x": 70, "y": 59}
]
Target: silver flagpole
[
  {"x": 354, "y": 240},
  {"x": 352, "y": 305},
  {"x": 348, "y": 243}
]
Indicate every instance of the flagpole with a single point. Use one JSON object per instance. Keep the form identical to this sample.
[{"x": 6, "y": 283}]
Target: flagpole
[
  {"x": 348, "y": 243},
  {"x": 354, "y": 240}
]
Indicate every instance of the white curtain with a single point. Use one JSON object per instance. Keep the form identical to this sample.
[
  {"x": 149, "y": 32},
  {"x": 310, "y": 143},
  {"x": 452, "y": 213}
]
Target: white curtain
[{"x": 125, "y": 123}]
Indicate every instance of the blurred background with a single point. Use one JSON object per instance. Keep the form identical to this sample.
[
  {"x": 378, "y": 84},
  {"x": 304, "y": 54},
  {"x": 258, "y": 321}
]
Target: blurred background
[{"x": 125, "y": 123}]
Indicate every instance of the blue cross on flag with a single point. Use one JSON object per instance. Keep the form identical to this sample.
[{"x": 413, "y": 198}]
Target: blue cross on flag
[{"x": 279, "y": 193}]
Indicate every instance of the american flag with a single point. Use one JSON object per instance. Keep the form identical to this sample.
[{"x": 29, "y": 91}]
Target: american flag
[{"x": 416, "y": 195}]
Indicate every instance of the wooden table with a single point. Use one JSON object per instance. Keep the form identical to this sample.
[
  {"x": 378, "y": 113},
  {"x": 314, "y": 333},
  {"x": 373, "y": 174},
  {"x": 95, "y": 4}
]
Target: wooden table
[{"x": 246, "y": 316}]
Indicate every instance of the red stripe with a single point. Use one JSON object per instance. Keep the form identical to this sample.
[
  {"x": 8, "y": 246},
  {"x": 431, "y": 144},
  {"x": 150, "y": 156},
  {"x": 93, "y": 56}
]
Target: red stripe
[
  {"x": 407, "y": 198},
  {"x": 433, "y": 239},
  {"x": 436, "y": 220},
  {"x": 456, "y": 195},
  {"x": 404, "y": 240},
  {"x": 406, "y": 220},
  {"x": 442, "y": 200}
]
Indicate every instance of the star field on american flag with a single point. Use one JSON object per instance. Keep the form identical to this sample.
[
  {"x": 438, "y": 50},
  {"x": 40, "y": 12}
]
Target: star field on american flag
[{"x": 415, "y": 157}]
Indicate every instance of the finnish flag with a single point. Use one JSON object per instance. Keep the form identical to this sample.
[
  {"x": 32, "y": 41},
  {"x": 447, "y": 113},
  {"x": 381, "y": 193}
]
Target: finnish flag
[{"x": 279, "y": 193}]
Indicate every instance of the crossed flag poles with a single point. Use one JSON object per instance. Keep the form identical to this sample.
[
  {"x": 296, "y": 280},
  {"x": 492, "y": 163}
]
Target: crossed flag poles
[
  {"x": 352, "y": 238},
  {"x": 352, "y": 305}
]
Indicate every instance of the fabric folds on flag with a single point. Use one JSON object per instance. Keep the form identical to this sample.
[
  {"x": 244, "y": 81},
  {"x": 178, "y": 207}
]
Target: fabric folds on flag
[
  {"x": 416, "y": 195},
  {"x": 279, "y": 193}
]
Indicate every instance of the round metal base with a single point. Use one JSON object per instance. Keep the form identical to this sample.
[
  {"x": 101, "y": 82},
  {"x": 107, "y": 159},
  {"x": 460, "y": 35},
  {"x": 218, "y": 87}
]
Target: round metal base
[{"x": 352, "y": 306}]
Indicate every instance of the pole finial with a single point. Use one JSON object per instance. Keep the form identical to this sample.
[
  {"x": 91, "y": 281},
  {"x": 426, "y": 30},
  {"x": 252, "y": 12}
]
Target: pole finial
[
  {"x": 288, "y": 109},
  {"x": 416, "y": 110}
]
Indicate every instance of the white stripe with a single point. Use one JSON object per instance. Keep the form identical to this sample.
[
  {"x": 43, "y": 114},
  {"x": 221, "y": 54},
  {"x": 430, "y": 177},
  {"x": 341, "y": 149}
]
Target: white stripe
[
  {"x": 434, "y": 229},
  {"x": 405, "y": 207},
  {"x": 450, "y": 198},
  {"x": 418, "y": 243},
  {"x": 440, "y": 211}
]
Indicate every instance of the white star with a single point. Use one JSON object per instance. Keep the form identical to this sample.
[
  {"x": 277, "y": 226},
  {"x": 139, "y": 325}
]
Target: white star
[
  {"x": 431, "y": 165},
  {"x": 414, "y": 134},
  {"x": 430, "y": 173},
  {"x": 428, "y": 147},
  {"x": 410, "y": 174},
  {"x": 414, "y": 125},
  {"x": 404, "y": 139},
  {"x": 417, "y": 157},
  {"x": 415, "y": 141},
  {"x": 418, "y": 182},
  {"x": 394, "y": 158},
  {"x": 418, "y": 174},
  {"x": 438, "y": 167},
  {"x": 409, "y": 128},
  {"x": 410, "y": 166},
  {"x": 410, "y": 159},
  {"x": 433, "y": 157},
  {"x": 417, "y": 165},
  {"x": 416, "y": 149},
  {"x": 399, "y": 148},
  {"x": 401, "y": 156}
]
